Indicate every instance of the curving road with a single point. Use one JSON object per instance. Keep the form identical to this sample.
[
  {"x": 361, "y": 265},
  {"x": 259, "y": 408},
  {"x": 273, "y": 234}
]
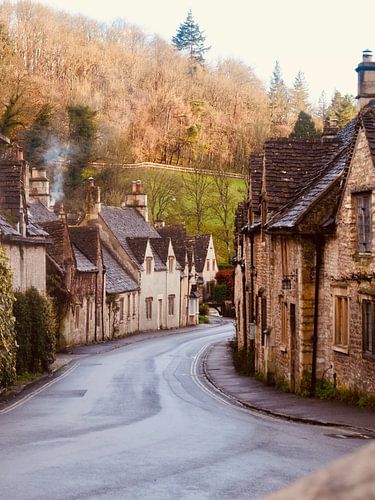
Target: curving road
[{"x": 141, "y": 422}]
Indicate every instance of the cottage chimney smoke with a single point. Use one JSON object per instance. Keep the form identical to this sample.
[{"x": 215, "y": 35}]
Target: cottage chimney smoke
[{"x": 366, "y": 79}]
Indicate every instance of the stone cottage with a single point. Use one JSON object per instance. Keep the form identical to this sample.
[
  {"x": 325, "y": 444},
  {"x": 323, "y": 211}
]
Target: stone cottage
[
  {"x": 24, "y": 241},
  {"x": 304, "y": 286}
]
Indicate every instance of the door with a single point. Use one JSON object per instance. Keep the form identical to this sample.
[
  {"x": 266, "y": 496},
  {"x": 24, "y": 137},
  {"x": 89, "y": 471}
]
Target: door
[
  {"x": 160, "y": 325},
  {"x": 293, "y": 348}
]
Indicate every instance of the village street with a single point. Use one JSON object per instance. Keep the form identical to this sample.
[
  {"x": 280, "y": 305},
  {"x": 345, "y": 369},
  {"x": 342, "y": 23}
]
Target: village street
[{"x": 141, "y": 422}]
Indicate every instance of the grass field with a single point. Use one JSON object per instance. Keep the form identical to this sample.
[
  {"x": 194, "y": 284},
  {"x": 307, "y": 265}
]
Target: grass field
[{"x": 179, "y": 209}]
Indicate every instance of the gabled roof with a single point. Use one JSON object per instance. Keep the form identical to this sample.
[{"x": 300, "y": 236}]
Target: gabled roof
[
  {"x": 7, "y": 229},
  {"x": 177, "y": 234},
  {"x": 329, "y": 171},
  {"x": 39, "y": 213},
  {"x": 138, "y": 246},
  {"x": 60, "y": 250},
  {"x": 117, "y": 279},
  {"x": 11, "y": 186},
  {"x": 126, "y": 223},
  {"x": 201, "y": 243},
  {"x": 84, "y": 265},
  {"x": 86, "y": 239}
]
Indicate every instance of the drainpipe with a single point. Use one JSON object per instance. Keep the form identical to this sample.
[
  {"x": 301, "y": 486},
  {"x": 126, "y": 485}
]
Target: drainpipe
[
  {"x": 319, "y": 244},
  {"x": 252, "y": 316}
]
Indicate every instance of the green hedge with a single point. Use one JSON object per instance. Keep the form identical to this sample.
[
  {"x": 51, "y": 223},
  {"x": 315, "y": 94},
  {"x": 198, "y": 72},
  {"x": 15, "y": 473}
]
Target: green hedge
[{"x": 35, "y": 330}]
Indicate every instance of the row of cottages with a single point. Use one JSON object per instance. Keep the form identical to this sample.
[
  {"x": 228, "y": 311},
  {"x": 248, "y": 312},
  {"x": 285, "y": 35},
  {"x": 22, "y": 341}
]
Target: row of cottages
[
  {"x": 305, "y": 268},
  {"x": 162, "y": 275}
]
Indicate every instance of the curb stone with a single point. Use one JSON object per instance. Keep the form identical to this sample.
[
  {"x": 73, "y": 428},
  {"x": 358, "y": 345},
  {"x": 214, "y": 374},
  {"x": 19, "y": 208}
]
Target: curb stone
[{"x": 279, "y": 415}]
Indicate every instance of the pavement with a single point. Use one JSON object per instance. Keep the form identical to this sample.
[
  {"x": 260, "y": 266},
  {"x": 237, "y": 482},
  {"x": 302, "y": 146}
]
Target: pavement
[{"x": 258, "y": 396}]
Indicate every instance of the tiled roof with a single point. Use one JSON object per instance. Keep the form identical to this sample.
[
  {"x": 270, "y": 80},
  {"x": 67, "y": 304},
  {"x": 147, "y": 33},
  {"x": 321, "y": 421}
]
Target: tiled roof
[
  {"x": 328, "y": 172},
  {"x": 201, "y": 242},
  {"x": 138, "y": 248},
  {"x": 60, "y": 250},
  {"x": 7, "y": 229},
  {"x": 39, "y": 213},
  {"x": 84, "y": 265},
  {"x": 117, "y": 279},
  {"x": 127, "y": 223},
  {"x": 35, "y": 230},
  {"x": 86, "y": 239},
  {"x": 177, "y": 234}
]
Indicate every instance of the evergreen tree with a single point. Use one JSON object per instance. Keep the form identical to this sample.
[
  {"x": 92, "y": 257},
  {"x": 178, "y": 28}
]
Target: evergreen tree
[
  {"x": 300, "y": 94},
  {"x": 190, "y": 40},
  {"x": 304, "y": 127},
  {"x": 279, "y": 100},
  {"x": 342, "y": 108},
  {"x": 322, "y": 108},
  {"x": 82, "y": 133},
  {"x": 37, "y": 137}
]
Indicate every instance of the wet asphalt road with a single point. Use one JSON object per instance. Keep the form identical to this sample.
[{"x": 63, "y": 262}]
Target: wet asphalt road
[{"x": 140, "y": 422}]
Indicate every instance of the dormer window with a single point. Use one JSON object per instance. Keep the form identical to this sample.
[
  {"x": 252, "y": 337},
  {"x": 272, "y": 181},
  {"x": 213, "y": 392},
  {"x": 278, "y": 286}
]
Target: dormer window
[
  {"x": 148, "y": 265},
  {"x": 364, "y": 221}
]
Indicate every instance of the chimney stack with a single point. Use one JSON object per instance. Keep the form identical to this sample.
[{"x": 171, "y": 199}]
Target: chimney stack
[
  {"x": 93, "y": 203},
  {"x": 366, "y": 79},
  {"x": 137, "y": 199}
]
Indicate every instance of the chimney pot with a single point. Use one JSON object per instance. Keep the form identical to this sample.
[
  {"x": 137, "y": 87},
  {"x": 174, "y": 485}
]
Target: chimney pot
[
  {"x": 134, "y": 187},
  {"x": 367, "y": 55},
  {"x": 138, "y": 186}
]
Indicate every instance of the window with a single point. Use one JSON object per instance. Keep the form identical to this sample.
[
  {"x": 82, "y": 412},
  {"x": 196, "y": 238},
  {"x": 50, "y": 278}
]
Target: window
[
  {"x": 207, "y": 265},
  {"x": 171, "y": 305},
  {"x": 148, "y": 265},
  {"x": 134, "y": 296},
  {"x": 284, "y": 257},
  {"x": 368, "y": 327},
  {"x": 122, "y": 307},
  {"x": 129, "y": 305},
  {"x": 171, "y": 264},
  {"x": 363, "y": 211},
  {"x": 213, "y": 264},
  {"x": 341, "y": 320},
  {"x": 292, "y": 319},
  {"x": 148, "y": 307},
  {"x": 76, "y": 316},
  {"x": 284, "y": 323}
]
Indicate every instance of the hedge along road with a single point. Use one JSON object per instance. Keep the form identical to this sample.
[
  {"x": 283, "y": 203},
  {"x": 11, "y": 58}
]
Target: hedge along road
[{"x": 141, "y": 422}]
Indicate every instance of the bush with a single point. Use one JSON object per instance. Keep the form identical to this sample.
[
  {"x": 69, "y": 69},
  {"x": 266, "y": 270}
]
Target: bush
[
  {"x": 220, "y": 293},
  {"x": 203, "y": 319},
  {"x": 8, "y": 344},
  {"x": 35, "y": 328},
  {"x": 204, "y": 309}
]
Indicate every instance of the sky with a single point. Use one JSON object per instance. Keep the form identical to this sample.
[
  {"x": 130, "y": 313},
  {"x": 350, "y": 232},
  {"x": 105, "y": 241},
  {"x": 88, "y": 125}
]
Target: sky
[{"x": 322, "y": 38}]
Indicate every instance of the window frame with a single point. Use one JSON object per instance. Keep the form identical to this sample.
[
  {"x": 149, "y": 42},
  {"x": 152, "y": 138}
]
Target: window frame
[
  {"x": 148, "y": 301},
  {"x": 363, "y": 215},
  {"x": 368, "y": 336},
  {"x": 148, "y": 265},
  {"x": 171, "y": 304},
  {"x": 341, "y": 309}
]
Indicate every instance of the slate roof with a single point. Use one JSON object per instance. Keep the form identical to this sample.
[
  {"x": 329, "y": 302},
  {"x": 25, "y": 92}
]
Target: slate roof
[
  {"x": 201, "y": 243},
  {"x": 125, "y": 223},
  {"x": 60, "y": 249},
  {"x": 84, "y": 265},
  {"x": 39, "y": 213},
  {"x": 86, "y": 239},
  {"x": 117, "y": 279},
  {"x": 138, "y": 248},
  {"x": 177, "y": 234},
  {"x": 7, "y": 229},
  {"x": 328, "y": 170}
]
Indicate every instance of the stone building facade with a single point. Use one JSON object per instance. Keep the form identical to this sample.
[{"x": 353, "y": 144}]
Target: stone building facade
[{"x": 304, "y": 286}]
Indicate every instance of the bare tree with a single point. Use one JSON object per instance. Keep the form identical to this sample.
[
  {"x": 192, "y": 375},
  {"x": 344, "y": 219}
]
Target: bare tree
[
  {"x": 162, "y": 190},
  {"x": 196, "y": 195}
]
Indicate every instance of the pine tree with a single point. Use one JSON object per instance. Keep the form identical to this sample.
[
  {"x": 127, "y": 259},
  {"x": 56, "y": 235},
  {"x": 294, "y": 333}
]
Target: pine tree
[
  {"x": 342, "y": 108},
  {"x": 322, "y": 109},
  {"x": 190, "y": 40},
  {"x": 300, "y": 94},
  {"x": 279, "y": 100},
  {"x": 304, "y": 127},
  {"x": 10, "y": 118}
]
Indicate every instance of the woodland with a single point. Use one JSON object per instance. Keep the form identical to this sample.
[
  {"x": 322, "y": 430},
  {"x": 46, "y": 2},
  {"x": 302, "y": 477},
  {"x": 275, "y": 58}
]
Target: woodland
[{"x": 76, "y": 91}]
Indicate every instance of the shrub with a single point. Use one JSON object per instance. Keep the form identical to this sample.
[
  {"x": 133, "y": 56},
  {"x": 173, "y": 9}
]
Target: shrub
[
  {"x": 203, "y": 319},
  {"x": 35, "y": 327},
  {"x": 8, "y": 345},
  {"x": 220, "y": 293},
  {"x": 204, "y": 309}
]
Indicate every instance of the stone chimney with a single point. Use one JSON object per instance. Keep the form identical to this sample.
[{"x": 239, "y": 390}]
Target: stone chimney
[
  {"x": 366, "y": 79},
  {"x": 39, "y": 186},
  {"x": 93, "y": 203},
  {"x": 331, "y": 128},
  {"x": 137, "y": 199}
]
